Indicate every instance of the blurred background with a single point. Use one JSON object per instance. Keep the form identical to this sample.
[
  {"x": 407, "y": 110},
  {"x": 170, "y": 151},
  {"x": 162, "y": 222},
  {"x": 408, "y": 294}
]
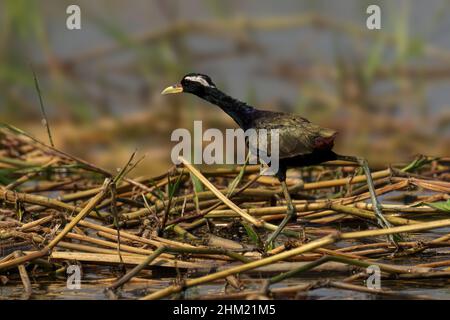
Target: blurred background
[{"x": 387, "y": 91}]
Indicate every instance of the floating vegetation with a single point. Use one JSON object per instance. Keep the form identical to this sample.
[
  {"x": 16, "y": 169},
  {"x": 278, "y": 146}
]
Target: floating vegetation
[{"x": 198, "y": 233}]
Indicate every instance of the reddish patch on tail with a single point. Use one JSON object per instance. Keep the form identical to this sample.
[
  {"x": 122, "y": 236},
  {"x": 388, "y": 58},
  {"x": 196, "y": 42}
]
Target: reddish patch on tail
[{"x": 324, "y": 143}]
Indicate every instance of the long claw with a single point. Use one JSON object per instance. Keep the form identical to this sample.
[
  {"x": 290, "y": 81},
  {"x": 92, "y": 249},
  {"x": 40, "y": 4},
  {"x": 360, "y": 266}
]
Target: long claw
[
  {"x": 290, "y": 214},
  {"x": 382, "y": 222}
]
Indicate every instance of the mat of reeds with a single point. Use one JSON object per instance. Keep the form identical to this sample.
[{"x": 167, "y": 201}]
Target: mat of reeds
[{"x": 198, "y": 232}]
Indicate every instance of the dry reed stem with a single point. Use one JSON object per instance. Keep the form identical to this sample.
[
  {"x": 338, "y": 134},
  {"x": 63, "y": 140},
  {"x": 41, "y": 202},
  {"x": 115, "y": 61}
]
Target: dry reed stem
[
  {"x": 219, "y": 195},
  {"x": 248, "y": 266},
  {"x": 92, "y": 203},
  {"x": 24, "y": 277},
  {"x": 98, "y": 241}
]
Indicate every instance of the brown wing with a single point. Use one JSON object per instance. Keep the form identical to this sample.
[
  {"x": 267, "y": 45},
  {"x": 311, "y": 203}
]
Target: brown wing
[{"x": 297, "y": 136}]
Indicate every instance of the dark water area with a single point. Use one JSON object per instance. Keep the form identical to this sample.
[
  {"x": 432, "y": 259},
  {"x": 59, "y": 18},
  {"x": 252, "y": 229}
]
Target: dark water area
[
  {"x": 57, "y": 290},
  {"x": 427, "y": 23}
]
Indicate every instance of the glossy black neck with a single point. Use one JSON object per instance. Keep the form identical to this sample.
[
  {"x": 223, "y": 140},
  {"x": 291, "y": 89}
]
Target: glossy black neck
[{"x": 238, "y": 110}]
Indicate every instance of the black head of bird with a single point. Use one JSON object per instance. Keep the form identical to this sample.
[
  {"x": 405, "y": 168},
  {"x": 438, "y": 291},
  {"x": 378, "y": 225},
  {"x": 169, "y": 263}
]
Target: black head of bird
[
  {"x": 202, "y": 86},
  {"x": 195, "y": 83}
]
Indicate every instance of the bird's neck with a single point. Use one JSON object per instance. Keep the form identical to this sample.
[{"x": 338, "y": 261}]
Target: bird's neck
[{"x": 238, "y": 110}]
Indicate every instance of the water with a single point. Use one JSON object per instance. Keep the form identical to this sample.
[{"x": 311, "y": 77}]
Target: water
[
  {"x": 57, "y": 290},
  {"x": 238, "y": 74}
]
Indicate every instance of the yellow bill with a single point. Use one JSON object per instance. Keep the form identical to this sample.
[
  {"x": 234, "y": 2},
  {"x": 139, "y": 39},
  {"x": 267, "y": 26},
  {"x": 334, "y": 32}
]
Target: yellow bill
[{"x": 173, "y": 89}]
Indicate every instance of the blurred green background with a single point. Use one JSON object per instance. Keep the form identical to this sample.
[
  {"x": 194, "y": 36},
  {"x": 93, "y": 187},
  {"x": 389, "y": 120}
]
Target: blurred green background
[{"x": 386, "y": 91}]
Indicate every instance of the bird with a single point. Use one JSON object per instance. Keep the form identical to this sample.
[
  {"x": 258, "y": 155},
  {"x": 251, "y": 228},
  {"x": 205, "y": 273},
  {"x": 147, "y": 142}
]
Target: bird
[{"x": 301, "y": 143}]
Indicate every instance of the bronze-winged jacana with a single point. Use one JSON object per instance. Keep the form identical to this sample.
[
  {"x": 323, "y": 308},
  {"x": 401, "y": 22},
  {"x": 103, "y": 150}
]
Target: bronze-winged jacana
[{"x": 301, "y": 143}]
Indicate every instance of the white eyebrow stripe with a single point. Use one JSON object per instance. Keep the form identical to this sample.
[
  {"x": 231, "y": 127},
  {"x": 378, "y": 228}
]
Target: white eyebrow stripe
[{"x": 199, "y": 80}]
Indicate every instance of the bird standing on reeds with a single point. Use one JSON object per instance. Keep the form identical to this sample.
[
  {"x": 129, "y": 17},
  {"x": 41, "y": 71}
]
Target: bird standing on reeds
[{"x": 301, "y": 143}]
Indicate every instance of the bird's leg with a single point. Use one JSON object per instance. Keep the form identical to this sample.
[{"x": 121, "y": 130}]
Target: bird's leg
[
  {"x": 290, "y": 214},
  {"x": 375, "y": 203}
]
